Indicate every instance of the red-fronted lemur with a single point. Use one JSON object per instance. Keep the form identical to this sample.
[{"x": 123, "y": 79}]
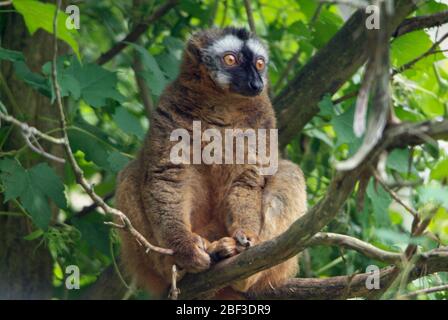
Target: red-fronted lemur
[{"x": 206, "y": 212}]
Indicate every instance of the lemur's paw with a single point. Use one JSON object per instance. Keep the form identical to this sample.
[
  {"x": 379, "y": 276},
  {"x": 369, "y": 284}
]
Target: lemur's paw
[
  {"x": 192, "y": 255},
  {"x": 223, "y": 248}
]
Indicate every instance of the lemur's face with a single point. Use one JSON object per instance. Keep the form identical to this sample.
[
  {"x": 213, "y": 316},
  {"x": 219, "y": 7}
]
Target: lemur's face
[{"x": 237, "y": 62}]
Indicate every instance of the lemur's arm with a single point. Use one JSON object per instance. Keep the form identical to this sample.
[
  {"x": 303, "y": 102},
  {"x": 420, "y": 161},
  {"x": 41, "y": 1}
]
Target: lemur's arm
[{"x": 244, "y": 207}]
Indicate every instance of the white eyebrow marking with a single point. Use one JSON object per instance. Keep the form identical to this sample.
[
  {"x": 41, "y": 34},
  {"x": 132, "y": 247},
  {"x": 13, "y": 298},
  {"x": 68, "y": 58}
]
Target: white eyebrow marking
[
  {"x": 257, "y": 48},
  {"x": 228, "y": 43}
]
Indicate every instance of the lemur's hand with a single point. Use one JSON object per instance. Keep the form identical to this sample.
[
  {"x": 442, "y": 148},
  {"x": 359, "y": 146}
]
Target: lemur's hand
[{"x": 192, "y": 255}]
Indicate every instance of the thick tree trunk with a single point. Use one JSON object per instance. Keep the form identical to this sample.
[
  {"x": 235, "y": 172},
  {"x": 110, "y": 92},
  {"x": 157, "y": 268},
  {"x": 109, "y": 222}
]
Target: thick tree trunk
[{"x": 25, "y": 266}]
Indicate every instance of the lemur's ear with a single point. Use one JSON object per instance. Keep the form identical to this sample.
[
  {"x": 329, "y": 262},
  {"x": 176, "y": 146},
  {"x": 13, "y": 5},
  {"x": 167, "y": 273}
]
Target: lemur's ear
[
  {"x": 198, "y": 43},
  {"x": 193, "y": 50}
]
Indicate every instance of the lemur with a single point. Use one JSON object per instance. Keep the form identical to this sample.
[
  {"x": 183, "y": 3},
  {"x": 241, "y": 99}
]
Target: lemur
[{"x": 208, "y": 212}]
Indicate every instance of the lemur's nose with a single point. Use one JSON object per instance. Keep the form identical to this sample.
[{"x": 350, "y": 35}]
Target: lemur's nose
[{"x": 255, "y": 85}]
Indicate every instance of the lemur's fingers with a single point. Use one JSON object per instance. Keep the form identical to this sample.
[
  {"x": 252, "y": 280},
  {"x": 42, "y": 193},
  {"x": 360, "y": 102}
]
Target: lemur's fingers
[
  {"x": 223, "y": 248},
  {"x": 192, "y": 255}
]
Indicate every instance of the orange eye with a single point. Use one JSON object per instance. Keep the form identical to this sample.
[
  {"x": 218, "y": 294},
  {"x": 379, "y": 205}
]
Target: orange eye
[
  {"x": 229, "y": 59},
  {"x": 259, "y": 64}
]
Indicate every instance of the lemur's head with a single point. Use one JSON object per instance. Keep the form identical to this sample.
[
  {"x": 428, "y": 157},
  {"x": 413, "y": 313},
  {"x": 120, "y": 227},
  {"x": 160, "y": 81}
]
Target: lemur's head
[{"x": 235, "y": 59}]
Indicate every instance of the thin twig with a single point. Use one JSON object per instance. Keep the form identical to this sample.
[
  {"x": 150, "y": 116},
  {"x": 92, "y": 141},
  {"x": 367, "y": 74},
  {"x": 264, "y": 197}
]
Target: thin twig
[
  {"x": 394, "y": 195},
  {"x": 174, "y": 291},
  {"x": 421, "y": 22},
  {"x": 137, "y": 31},
  {"x": 424, "y": 291},
  {"x": 250, "y": 16},
  {"x": 432, "y": 50},
  {"x": 343, "y": 241},
  {"x": 79, "y": 174},
  {"x": 26, "y": 137},
  {"x": 400, "y": 69},
  {"x": 29, "y": 129},
  {"x": 143, "y": 88},
  {"x": 359, "y": 4}
]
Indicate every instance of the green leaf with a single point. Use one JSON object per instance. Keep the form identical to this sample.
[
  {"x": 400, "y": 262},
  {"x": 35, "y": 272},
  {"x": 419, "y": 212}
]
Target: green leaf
[
  {"x": 14, "y": 178},
  {"x": 398, "y": 160},
  {"x": 93, "y": 231},
  {"x": 92, "y": 149},
  {"x": 343, "y": 126},
  {"x": 34, "y": 235},
  {"x": 49, "y": 183},
  {"x": 97, "y": 84},
  {"x": 434, "y": 193},
  {"x": 11, "y": 55},
  {"x": 38, "y": 15},
  {"x": 35, "y": 80},
  {"x": 326, "y": 106},
  {"x": 153, "y": 75},
  {"x": 68, "y": 84},
  {"x": 169, "y": 64},
  {"x": 117, "y": 161},
  {"x": 35, "y": 203},
  {"x": 175, "y": 46},
  {"x": 381, "y": 201},
  {"x": 409, "y": 46},
  {"x": 90, "y": 82},
  {"x": 440, "y": 171},
  {"x": 128, "y": 122},
  {"x": 32, "y": 187}
]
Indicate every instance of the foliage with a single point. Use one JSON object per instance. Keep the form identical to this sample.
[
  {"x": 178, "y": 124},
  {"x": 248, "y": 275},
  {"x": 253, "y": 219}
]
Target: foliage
[{"x": 107, "y": 124}]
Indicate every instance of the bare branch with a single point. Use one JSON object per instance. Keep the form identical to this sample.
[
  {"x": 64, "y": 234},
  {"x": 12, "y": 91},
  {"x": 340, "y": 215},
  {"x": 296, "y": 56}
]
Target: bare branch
[
  {"x": 87, "y": 209},
  {"x": 27, "y": 129},
  {"x": 357, "y": 4},
  {"x": 351, "y": 286},
  {"x": 137, "y": 31},
  {"x": 143, "y": 88},
  {"x": 425, "y": 291},
  {"x": 42, "y": 152},
  {"x": 322, "y": 238},
  {"x": 394, "y": 195},
  {"x": 250, "y": 16}
]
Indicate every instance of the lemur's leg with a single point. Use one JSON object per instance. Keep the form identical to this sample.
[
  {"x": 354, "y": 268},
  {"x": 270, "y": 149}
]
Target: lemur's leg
[{"x": 283, "y": 201}]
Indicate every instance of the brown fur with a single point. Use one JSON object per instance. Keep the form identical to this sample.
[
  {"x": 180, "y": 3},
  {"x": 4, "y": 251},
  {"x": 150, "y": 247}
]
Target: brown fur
[{"x": 198, "y": 210}]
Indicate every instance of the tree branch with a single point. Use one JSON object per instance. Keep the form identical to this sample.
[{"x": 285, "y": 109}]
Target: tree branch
[
  {"x": 27, "y": 129},
  {"x": 343, "y": 241},
  {"x": 250, "y": 16},
  {"x": 425, "y": 291},
  {"x": 431, "y": 50},
  {"x": 327, "y": 71},
  {"x": 351, "y": 286},
  {"x": 421, "y": 22},
  {"x": 300, "y": 233},
  {"x": 137, "y": 31}
]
